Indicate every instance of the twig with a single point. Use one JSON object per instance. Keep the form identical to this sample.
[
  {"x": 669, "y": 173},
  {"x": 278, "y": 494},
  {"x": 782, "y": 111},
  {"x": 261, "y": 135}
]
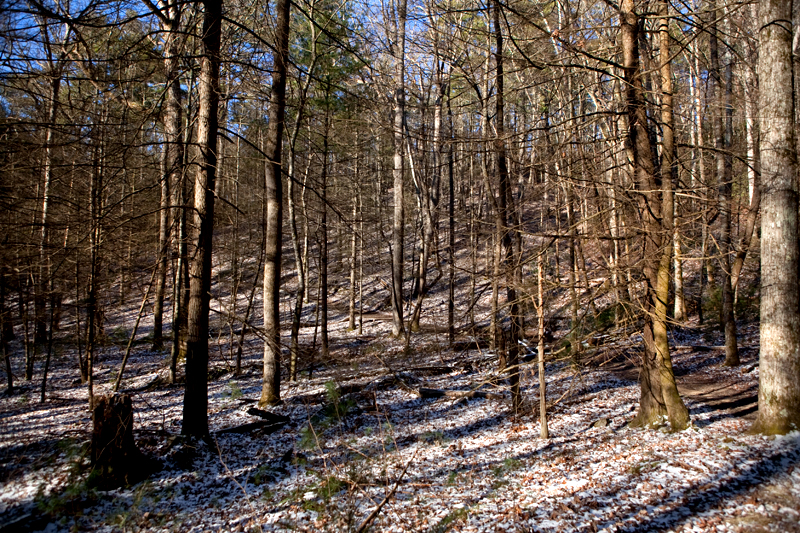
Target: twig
[
  {"x": 377, "y": 510},
  {"x": 133, "y": 333}
]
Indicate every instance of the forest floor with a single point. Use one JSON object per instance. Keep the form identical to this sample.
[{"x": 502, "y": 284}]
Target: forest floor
[{"x": 359, "y": 435}]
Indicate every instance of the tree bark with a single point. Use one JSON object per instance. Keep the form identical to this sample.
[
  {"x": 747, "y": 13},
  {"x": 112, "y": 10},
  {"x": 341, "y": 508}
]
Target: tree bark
[
  {"x": 659, "y": 393},
  {"x": 504, "y": 232},
  {"x": 779, "y": 361},
  {"x": 323, "y": 241},
  {"x": 195, "y": 400},
  {"x": 398, "y": 228},
  {"x": 172, "y": 156},
  {"x": 5, "y": 330},
  {"x": 544, "y": 432},
  {"x": 723, "y": 127},
  {"x": 273, "y": 223}
]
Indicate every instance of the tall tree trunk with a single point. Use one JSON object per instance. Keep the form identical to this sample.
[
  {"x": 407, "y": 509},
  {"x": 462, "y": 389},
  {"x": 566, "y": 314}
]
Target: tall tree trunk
[
  {"x": 398, "y": 229},
  {"x": 351, "y": 315},
  {"x": 55, "y": 66},
  {"x": 544, "y": 433},
  {"x": 299, "y": 255},
  {"x": 779, "y": 361},
  {"x": 323, "y": 242},
  {"x": 451, "y": 245},
  {"x": 723, "y": 127},
  {"x": 195, "y": 400},
  {"x": 504, "y": 232},
  {"x": 5, "y": 331},
  {"x": 669, "y": 164},
  {"x": 172, "y": 156},
  {"x": 43, "y": 278},
  {"x": 273, "y": 223},
  {"x": 659, "y": 393},
  {"x": 94, "y": 270},
  {"x": 180, "y": 298}
]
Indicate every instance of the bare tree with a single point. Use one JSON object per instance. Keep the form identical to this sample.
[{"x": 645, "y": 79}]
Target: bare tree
[
  {"x": 195, "y": 400},
  {"x": 659, "y": 393},
  {"x": 398, "y": 46},
  {"x": 273, "y": 218},
  {"x": 169, "y": 15}
]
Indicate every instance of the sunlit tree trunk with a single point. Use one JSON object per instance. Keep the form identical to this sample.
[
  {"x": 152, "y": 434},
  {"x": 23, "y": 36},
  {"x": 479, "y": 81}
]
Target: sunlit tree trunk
[
  {"x": 779, "y": 361},
  {"x": 398, "y": 229},
  {"x": 195, "y": 400},
  {"x": 659, "y": 393},
  {"x": 172, "y": 157}
]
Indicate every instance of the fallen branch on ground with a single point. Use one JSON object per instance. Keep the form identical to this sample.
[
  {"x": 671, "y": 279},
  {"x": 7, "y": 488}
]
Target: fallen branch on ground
[
  {"x": 374, "y": 513},
  {"x": 458, "y": 394}
]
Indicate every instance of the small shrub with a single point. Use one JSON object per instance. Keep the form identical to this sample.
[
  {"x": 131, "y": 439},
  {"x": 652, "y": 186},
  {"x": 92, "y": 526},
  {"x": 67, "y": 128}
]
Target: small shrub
[
  {"x": 434, "y": 437},
  {"x": 235, "y": 392},
  {"x": 450, "y": 519}
]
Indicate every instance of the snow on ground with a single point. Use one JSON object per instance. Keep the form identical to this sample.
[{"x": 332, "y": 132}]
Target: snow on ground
[{"x": 454, "y": 464}]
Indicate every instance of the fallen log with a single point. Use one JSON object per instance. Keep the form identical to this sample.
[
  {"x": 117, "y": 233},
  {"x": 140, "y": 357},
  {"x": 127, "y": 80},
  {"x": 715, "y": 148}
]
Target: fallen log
[
  {"x": 431, "y": 370},
  {"x": 459, "y": 394},
  {"x": 266, "y": 415},
  {"x": 266, "y": 425}
]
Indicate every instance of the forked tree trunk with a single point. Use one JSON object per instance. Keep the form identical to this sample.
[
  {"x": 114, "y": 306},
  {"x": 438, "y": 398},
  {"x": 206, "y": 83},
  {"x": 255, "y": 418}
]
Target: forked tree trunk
[
  {"x": 779, "y": 361},
  {"x": 659, "y": 393},
  {"x": 273, "y": 223},
  {"x": 195, "y": 400},
  {"x": 299, "y": 255}
]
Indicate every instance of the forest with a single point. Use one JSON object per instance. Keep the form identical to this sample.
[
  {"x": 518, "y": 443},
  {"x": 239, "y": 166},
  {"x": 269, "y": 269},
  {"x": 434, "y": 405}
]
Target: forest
[{"x": 399, "y": 265}]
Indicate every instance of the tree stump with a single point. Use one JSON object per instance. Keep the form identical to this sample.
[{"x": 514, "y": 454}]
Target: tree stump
[{"x": 114, "y": 455}]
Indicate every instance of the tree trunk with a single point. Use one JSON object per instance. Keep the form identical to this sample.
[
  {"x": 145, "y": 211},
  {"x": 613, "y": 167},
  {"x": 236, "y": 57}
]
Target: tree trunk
[
  {"x": 544, "y": 433},
  {"x": 398, "y": 229},
  {"x": 4, "y": 331},
  {"x": 723, "y": 129},
  {"x": 779, "y": 361},
  {"x": 114, "y": 454},
  {"x": 180, "y": 297},
  {"x": 195, "y": 400},
  {"x": 504, "y": 232},
  {"x": 299, "y": 255},
  {"x": 94, "y": 271},
  {"x": 40, "y": 333},
  {"x": 323, "y": 243},
  {"x": 273, "y": 223},
  {"x": 659, "y": 393},
  {"x": 451, "y": 245},
  {"x": 351, "y": 315},
  {"x": 172, "y": 157}
]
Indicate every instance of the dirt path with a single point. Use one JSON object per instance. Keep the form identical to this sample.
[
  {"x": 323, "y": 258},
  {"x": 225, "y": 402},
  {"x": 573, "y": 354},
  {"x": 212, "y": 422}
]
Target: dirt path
[{"x": 705, "y": 382}]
